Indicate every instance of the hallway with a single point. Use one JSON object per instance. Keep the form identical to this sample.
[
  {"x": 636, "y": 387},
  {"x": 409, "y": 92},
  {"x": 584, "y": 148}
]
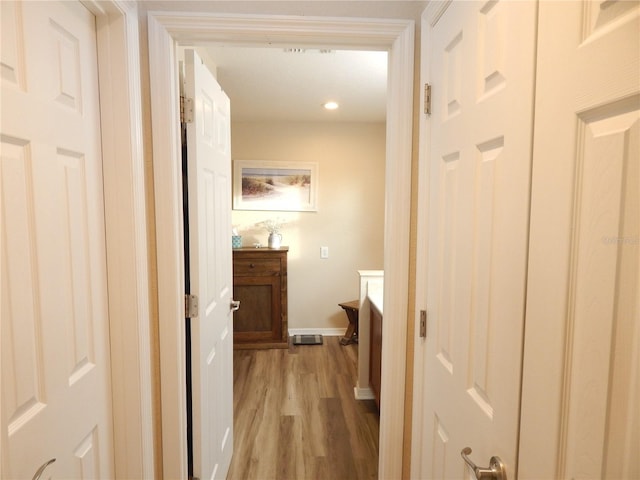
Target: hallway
[{"x": 296, "y": 416}]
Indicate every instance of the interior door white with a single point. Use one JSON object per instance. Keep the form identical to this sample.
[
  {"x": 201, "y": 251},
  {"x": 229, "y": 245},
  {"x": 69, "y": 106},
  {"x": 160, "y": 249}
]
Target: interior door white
[
  {"x": 56, "y": 400},
  {"x": 581, "y": 380},
  {"x": 209, "y": 184},
  {"x": 472, "y": 240}
]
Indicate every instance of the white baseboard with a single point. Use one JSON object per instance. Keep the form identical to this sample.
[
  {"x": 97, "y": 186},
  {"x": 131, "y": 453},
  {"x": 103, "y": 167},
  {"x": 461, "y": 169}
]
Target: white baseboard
[
  {"x": 326, "y": 332},
  {"x": 363, "y": 393}
]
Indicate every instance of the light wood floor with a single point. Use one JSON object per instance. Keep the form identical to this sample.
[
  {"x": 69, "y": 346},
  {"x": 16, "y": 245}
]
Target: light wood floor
[{"x": 296, "y": 416}]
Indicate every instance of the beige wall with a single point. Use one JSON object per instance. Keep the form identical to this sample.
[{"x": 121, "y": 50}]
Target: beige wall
[{"x": 350, "y": 216}]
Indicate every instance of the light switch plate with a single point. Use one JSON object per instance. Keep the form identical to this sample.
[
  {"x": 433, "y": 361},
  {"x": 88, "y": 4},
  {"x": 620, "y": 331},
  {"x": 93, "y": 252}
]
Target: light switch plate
[{"x": 324, "y": 252}]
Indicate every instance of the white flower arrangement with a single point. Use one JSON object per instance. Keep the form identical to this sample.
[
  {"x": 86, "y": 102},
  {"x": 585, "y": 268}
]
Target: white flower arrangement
[{"x": 272, "y": 225}]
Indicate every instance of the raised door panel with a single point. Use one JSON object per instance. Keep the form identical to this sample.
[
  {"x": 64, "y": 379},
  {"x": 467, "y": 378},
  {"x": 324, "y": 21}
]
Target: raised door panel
[
  {"x": 12, "y": 61},
  {"x": 23, "y": 355},
  {"x": 600, "y": 422}
]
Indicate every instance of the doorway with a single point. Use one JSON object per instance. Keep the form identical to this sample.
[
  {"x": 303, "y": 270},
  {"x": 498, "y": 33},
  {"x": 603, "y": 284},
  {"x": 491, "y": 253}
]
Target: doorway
[{"x": 397, "y": 37}]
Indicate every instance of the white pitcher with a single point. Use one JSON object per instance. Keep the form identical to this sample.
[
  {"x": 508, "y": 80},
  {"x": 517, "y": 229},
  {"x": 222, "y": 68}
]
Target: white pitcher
[{"x": 274, "y": 240}]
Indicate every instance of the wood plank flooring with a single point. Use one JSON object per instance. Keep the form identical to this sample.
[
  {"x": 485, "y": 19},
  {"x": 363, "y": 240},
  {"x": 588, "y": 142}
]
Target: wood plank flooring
[{"x": 296, "y": 416}]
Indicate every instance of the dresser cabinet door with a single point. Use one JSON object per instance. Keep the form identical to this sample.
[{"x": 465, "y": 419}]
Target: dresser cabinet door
[{"x": 258, "y": 318}]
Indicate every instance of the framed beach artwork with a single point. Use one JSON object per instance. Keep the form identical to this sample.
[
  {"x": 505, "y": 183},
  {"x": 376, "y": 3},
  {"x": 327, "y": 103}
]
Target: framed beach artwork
[{"x": 280, "y": 186}]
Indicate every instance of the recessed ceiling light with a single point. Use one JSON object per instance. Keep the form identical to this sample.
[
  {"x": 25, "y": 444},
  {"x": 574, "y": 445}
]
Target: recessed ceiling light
[{"x": 330, "y": 105}]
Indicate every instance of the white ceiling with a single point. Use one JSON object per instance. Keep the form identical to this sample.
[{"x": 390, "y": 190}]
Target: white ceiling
[
  {"x": 278, "y": 84},
  {"x": 264, "y": 83}
]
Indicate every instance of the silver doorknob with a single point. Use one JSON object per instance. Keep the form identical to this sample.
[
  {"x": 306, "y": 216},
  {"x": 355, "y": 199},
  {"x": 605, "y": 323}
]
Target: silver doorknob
[
  {"x": 495, "y": 471},
  {"x": 235, "y": 305},
  {"x": 40, "y": 471}
]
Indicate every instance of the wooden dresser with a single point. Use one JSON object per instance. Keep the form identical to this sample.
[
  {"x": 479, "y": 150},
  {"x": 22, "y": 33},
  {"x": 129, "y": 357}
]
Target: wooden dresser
[{"x": 260, "y": 284}]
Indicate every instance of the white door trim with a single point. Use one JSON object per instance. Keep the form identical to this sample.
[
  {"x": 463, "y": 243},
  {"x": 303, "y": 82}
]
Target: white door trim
[
  {"x": 126, "y": 236},
  {"x": 396, "y": 36}
]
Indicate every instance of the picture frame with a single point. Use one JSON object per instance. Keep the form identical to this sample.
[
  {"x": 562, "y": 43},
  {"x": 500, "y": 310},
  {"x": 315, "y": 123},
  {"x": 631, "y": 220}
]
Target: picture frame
[{"x": 275, "y": 185}]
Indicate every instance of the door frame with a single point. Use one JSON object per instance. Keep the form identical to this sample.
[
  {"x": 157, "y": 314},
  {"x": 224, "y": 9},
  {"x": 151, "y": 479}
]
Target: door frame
[
  {"x": 165, "y": 30},
  {"x": 126, "y": 236}
]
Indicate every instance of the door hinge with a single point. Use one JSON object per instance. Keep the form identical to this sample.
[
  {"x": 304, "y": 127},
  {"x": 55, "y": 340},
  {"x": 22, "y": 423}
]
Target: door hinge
[
  {"x": 186, "y": 110},
  {"x": 423, "y": 324},
  {"x": 427, "y": 99},
  {"x": 190, "y": 306}
]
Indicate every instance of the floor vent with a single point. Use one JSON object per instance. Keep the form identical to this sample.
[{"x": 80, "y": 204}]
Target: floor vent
[{"x": 307, "y": 339}]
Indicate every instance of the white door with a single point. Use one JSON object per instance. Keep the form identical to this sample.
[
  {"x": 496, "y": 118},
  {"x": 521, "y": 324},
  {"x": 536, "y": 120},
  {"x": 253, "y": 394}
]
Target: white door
[
  {"x": 581, "y": 392},
  {"x": 55, "y": 337},
  {"x": 474, "y": 205},
  {"x": 209, "y": 180}
]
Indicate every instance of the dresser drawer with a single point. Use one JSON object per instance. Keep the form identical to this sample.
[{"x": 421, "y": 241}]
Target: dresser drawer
[{"x": 256, "y": 266}]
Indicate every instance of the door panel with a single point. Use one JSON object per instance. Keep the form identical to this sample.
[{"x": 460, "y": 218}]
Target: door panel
[
  {"x": 581, "y": 386},
  {"x": 209, "y": 179},
  {"x": 473, "y": 233},
  {"x": 55, "y": 337},
  {"x": 601, "y": 314}
]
